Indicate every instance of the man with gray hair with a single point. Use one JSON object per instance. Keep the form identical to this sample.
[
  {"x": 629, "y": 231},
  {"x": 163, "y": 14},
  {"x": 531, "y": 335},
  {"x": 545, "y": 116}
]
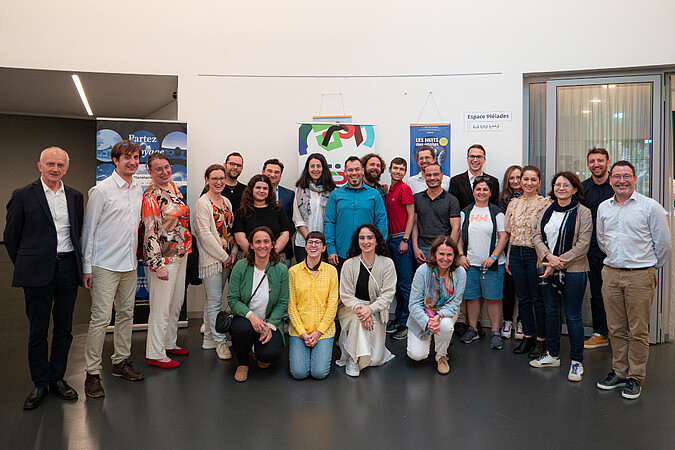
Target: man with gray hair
[{"x": 42, "y": 237}]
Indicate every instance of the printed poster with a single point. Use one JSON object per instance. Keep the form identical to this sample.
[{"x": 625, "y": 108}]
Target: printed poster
[{"x": 435, "y": 135}]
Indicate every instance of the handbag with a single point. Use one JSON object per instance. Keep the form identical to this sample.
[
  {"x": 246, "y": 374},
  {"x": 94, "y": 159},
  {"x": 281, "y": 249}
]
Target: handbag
[{"x": 224, "y": 318}]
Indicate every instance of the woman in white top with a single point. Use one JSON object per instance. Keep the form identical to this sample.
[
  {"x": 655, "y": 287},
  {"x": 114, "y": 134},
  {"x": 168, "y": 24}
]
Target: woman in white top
[
  {"x": 367, "y": 287},
  {"x": 311, "y": 195},
  {"x": 212, "y": 221},
  {"x": 481, "y": 248}
]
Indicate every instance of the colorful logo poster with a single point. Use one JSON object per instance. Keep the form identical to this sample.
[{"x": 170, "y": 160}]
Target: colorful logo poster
[
  {"x": 169, "y": 138},
  {"x": 335, "y": 141},
  {"x": 434, "y": 135}
]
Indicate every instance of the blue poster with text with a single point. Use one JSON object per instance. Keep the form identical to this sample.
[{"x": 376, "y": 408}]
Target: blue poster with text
[{"x": 436, "y": 136}]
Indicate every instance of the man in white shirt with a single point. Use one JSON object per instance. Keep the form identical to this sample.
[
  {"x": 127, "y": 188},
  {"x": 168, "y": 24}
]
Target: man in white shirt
[
  {"x": 109, "y": 242},
  {"x": 425, "y": 156},
  {"x": 632, "y": 230}
]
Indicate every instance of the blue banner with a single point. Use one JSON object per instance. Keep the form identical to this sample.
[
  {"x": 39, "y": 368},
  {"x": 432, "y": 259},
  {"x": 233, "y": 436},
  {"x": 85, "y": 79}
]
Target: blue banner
[{"x": 434, "y": 135}]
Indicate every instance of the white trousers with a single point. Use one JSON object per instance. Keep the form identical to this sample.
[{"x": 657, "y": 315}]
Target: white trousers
[
  {"x": 166, "y": 301},
  {"x": 418, "y": 349}
]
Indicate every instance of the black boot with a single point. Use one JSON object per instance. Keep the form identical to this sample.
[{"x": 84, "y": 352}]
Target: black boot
[
  {"x": 538, "y": 350},
  {"x": 526, "y": 344}
]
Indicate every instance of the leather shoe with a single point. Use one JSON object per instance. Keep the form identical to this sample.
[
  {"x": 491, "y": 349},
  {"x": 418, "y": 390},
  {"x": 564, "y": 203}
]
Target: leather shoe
[
  {"x": 241, "y": 374},
  {"x": 35, "y": 398},
  {"x": 62, "y": 390},
  {"x": 92, "y": 386},
  {"x": 526, "y": 344},
  {"x": 538, "y": 350},
  {"x": 263, "y": 365}
]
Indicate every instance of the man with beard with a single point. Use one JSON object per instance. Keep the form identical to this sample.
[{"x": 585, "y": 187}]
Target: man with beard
[
  {"x": 461, "y": 186},
  {"x": 349, "y": 207},
  {"x": 596, "y": 190},
  {"x": 234, "y": 164},
  {"x": 373, "y": 166},
  {"x": 426, "y": 155}
]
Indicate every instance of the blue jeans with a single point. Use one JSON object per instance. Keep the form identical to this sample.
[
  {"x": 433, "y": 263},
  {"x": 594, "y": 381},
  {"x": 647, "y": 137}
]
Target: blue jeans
[
  {"x": 572, "y": 298},
  {"x": 404, "y": 274},
  {"x": 305, "y": 361},
  {"x": 523, "y": 266}
]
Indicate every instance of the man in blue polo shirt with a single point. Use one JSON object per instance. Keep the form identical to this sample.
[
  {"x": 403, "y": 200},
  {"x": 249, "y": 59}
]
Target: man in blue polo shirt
[{"x": 349, "y": 207}]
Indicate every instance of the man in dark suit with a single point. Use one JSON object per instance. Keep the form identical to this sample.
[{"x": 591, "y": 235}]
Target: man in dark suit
[
  {"x": 42, "y": 237},
  {"x": 461, "y": 186},
  {"x": 274, "y": 168}
]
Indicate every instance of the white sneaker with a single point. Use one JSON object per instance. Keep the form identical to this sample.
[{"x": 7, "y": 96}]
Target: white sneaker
[
  {"x": 351, "y": 368},
  {"x": 209, "y": 344},
  {"x": 576, "y": 371},
  {"x": 223, "y": 351},
  {"x": 519, "y": 331},
  {"x": 506, "y": 329},
  {"x": 545, "y": 360},
  {"x": 202, "y": 329}
]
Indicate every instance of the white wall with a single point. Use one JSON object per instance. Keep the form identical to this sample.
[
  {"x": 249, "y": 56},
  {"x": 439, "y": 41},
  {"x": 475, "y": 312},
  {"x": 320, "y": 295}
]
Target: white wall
[{"x": 257, "y": 116}]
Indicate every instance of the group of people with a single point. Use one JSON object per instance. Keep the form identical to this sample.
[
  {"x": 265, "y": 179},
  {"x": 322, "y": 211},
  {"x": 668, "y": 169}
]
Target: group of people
[{"x": 440, "y": 247}]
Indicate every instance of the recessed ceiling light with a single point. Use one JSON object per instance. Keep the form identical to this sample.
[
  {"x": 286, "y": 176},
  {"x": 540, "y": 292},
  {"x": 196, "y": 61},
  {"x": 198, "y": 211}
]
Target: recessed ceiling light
[
  {"x": 595, "y": 100},
  {"x": 585, "y": 111},
  {"x": 83, "y": 96}
]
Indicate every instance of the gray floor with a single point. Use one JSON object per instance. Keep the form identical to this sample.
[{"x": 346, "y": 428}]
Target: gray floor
[{"x": 489, "y": 399}]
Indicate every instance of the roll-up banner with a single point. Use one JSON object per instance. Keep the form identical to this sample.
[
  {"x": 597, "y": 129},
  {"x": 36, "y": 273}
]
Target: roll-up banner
[{"x": 169, "y": 138}]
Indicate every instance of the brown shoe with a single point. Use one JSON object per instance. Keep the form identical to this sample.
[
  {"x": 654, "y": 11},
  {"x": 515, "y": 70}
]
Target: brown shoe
[
  {"x": 241, "y": 374},
  {"x": 443, "y": 366},
  {"x": 125, "y": 370},
  {"x": 263, "y": 365},
  {"x": 92, "y": 386}
]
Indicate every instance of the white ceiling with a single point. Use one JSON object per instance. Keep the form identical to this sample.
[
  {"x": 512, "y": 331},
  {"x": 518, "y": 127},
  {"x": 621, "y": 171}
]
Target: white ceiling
[{"x": 53, "y": 93}]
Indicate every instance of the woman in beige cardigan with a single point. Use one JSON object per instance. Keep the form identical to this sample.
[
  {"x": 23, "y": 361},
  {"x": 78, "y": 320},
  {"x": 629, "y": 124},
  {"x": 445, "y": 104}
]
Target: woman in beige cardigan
[
  {"x": 561, "y": 237},
  {"x": 367, "y": 288},
  {"x": 212, "y": 220}
]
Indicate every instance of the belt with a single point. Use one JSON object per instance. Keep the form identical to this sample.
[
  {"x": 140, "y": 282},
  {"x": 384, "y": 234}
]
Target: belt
[
  {"x": 629, "y": 269},
  {"x": 63, "y": 255}
]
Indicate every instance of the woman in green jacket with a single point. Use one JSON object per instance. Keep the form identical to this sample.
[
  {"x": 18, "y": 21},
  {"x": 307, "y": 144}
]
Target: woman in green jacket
[{"x": 258, "y": 295}]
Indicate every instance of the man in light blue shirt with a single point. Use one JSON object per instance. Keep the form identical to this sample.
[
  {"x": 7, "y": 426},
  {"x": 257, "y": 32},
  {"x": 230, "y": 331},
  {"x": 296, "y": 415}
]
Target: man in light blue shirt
[
  {"x": 349, "y": 207},
  {"x": 632, "y": 230}
]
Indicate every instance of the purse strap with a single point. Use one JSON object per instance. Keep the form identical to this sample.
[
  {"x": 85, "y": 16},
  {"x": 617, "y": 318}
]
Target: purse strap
[{"x": 261, "y": 280}]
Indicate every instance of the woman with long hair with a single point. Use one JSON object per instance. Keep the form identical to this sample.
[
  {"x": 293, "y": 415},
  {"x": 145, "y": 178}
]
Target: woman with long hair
[
  {"x": 562, "y": 236},
  {"x": 312, "y": 305},
  {"x": 367, "y": 288},
  {"x": 511, "y": 189},
  {"x": 166, "y": 243},
  {"x": 311, "y": 196},
  {"x": 212, "y": 225},
  {"x": 257, "y": 295},
  {"x": 522, "y": 262},
  {"x": 435, "y": 297},
  {"x": 258, "y": 208}
]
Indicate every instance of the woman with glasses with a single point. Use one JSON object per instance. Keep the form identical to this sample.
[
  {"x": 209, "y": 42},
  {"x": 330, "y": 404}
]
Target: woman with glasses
[
  {"x": 562, "y": 235},
  {"x": 311, "y": 196},
  {"x": 481, "y": 246},
  {"x": 258, "y": 208},
  {"x": 312, "y": 305},
  {"x": 367, "y": 288},
  {"x": 511, "y": 189},
  {"x": 166, "y": 243},
  {"x": 257, "y": 295},
  {"x": 522, "y": 262},
  {"x": 212, "y": 224}
]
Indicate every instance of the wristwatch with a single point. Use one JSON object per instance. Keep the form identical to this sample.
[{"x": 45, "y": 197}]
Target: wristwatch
[
  {"x": 493, "y": 257},
  {"x": 406, "y": 240}
]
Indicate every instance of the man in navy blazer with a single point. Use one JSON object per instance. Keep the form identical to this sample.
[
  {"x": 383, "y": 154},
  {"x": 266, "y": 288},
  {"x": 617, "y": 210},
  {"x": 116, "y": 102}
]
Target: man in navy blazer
[
  {"x": 42, "y": 237},
  {"x": 461, "y": 186},
  {"x": 274, "y": 168}
]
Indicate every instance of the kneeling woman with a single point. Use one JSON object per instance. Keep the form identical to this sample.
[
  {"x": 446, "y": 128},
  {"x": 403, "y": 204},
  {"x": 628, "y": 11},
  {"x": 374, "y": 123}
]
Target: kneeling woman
[
  {"x": 367, "y": 288},
  {"x": 561, "y": 238},
  {"x": 435, "y": 297},
  {"x": 312, "y": 304},
  {"x": 257, "y": 295}
]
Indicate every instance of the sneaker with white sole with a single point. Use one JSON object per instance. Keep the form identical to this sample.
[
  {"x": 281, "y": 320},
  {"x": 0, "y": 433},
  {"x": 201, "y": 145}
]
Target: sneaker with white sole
[
  {"x": 223, "y": 351},
  {"x": 351, "y": 368},
  {"x": 518, "y": 334},
  {"x": 209, "y": 344},
  {"x": 545, "y": 360},
  {"x": 496, "y": 340},
  {"x": 632, "y": 390},
  {"x": 595, "y": 341},
  {"x": 576, "y": 372},
  {"x": 470, "y": 335},
  {"x": 506, "y": 329}
]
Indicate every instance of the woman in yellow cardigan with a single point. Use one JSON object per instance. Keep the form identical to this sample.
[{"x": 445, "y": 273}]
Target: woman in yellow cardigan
[{"x": 312, "y": 305}]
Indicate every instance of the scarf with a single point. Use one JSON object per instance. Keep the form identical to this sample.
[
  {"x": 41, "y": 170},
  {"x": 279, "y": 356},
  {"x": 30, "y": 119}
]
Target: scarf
[
  {"x": 565, "y": 236},
  {"x": 303, "y": 200},
  {"x": 439, "y": 292}
]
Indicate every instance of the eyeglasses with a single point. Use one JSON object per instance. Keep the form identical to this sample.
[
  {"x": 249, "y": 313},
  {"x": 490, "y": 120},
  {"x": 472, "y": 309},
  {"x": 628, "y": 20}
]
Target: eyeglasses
[
  {"x": 625, "y": 176},
  {"x": 314, "y": 243},
  {"x": 219, "y": 179},
  {"x": 234, "y": 164},
  {"x": 475, "y": 157},
  {"x": 562, "y": 186}
]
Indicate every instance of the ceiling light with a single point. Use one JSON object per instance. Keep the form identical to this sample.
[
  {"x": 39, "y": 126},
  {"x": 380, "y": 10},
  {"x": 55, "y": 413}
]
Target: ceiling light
[
  {"x": 596, "y": 100},
  {"x": 83, "y": 96},
  {"x": 585, "y": 111}
]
